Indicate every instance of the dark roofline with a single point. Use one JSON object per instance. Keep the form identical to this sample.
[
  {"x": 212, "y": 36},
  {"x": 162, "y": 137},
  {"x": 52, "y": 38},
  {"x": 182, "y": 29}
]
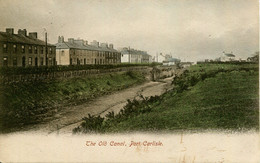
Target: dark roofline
[
  {"x": 21, "y": 39},
  {"x": 85, "y": 47}
]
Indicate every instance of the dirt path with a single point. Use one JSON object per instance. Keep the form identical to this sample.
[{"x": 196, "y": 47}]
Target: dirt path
[{"x": 71, "y": 117}]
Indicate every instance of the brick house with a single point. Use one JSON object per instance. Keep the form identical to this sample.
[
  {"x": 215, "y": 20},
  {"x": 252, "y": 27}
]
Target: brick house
[{"x": 24, "y": 50}]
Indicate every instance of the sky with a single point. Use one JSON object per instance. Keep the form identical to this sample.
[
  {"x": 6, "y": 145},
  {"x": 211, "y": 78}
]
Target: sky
[{"x": 188, "y": 29}]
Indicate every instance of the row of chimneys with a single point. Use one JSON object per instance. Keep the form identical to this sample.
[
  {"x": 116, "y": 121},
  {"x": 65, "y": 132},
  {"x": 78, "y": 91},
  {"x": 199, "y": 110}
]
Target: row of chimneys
[
  {"x": 22, "y": 32},
  {"x": 133, "y": 50},
  {"x": 83, "y": 42},
  {"x": 60, "y": 39}
]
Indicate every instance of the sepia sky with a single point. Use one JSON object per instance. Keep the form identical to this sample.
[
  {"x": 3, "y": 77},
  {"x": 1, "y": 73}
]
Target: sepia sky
[{"x": 188, "y": 29}]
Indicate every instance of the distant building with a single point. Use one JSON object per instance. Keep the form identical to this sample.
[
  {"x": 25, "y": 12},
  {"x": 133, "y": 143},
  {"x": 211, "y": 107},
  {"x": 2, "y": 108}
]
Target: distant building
[
  {"x": 24, "y": 50},
  {"x": 226, "y": 57},
  {"x": 187, "y": 64},
  {"x": 134, "y": 56},
  {"x": 171, "y": 61},
  {"x": 79, "y": 52}
]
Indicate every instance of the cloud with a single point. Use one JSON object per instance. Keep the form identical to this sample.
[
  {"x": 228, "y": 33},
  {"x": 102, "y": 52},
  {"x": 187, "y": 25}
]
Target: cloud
[{"x": 188, "y": 29}]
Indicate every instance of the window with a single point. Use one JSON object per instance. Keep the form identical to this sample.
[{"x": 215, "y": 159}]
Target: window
[
  {"x": 50, "y": 61},
  {"x": 50, "y": 50},
  {"x": 23, "y": 61},
  {"x": 30, "y": 49},
  {"x": 35, "y": 50},
  {"x": 41, "y": 60},
  {"x": 14, "y": 48},
  {"x": 5, "y": 48},
  {"x": 41, "y": 50},
  {"x": 36, "y": 61},
  {"x": 54, "y": 61},
  {"x": 5, "y": 61},
  {"x": 15, "y": 62},
  {"x": 23, "y": 49},
  {"x": 30, "y": 61}
]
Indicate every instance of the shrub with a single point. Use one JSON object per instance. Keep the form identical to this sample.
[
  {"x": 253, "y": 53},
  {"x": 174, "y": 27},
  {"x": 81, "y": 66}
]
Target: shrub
[
  {"x": 90, "y": 124},
  {"x": 131, "y": 74}
]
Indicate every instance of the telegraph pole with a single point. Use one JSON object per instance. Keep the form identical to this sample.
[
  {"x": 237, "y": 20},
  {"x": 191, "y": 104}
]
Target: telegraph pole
[
  {"x": 46, "y": 50},
  {"x": 129, "y": 54}
]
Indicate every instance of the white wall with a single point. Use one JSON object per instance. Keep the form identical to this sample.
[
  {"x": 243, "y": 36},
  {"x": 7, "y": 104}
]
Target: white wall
[
  {"x": 62, "y": 56},
  {"x": 124, "y": 58}
]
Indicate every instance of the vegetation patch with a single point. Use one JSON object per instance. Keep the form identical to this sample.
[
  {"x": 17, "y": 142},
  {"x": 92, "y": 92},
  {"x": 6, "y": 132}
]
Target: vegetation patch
[
  {"x": 28, "y": 103},
  {"x": 208, "y": 96}
]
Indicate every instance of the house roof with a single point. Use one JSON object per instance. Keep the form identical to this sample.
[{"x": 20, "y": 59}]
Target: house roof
[
  {"x": 18, "y": 38},
  {"x": 173, "y": 60},
  {"x": 133, "y": 51},
  {"x": 78, "y": 44}
]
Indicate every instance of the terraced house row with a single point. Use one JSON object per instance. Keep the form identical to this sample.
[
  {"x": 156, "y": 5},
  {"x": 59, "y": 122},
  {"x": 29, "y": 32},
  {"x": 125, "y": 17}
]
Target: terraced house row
[
  {"x": 25, "y": 50},
  {"x": 79, "y": 52}
]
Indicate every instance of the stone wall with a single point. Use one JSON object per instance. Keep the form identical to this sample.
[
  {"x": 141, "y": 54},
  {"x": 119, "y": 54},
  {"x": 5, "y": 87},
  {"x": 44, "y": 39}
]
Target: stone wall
[
  {"x": 68, "y": 74},
  {"x": 149, "y": 72}
]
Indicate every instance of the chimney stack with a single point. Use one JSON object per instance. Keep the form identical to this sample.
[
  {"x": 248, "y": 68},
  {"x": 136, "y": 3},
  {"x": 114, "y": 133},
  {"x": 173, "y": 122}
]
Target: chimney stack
[
  {"x": 22, "y": 32},
  {"x": 86, "y": 42},
  {"x": 60, "y": 39},
  {"x": 104, "y": 45},
  {"x": 10, "y": 31},
  {"x": 95, "y": 43},
  {"x": 71, "y": 40},
  {"x": 79, "y": 42},
  {"x": 111, "y": 46},
  {"x": 33, "y": 35}
]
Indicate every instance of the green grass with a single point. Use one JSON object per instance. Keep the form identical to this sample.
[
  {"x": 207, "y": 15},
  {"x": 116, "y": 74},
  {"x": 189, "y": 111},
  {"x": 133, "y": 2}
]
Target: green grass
[
  {"x": 226, "y": 98},
  {"x": 27, "y": 103}
]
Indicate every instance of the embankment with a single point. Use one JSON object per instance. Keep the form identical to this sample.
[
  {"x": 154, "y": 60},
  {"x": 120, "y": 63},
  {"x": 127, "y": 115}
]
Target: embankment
[
  {"x": 31, "y": 102},
  {"x": 32, "y": 98}
]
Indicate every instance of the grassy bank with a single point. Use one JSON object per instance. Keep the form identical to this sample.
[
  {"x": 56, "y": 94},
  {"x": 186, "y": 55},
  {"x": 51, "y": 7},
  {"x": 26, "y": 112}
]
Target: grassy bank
[
  {"x": 204, "y": 97},
  {"x": 27, "y": 103}
]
